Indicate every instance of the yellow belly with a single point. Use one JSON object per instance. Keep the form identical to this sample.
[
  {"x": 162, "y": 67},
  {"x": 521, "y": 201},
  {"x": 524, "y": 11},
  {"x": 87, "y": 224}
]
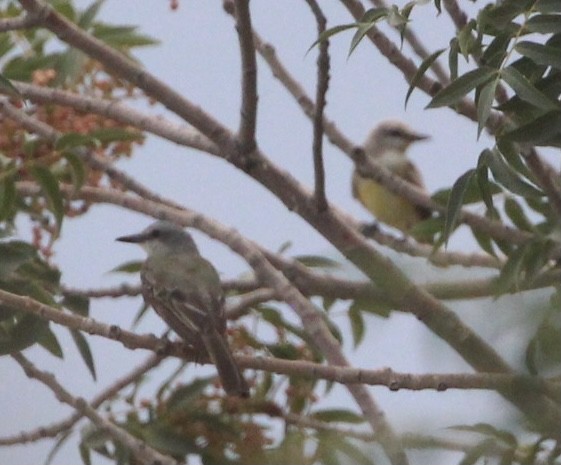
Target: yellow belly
[{"x": 384, "y": 205}]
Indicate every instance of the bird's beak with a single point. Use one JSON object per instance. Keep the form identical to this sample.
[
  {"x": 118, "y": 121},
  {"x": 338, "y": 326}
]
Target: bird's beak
[
  {"x": 415, "y": 136},
  {"x": 133, "y": 238}
]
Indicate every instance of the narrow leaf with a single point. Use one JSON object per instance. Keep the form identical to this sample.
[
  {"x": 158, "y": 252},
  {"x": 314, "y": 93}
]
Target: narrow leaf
[
  {"x": 77, "y": 169},
  {"x": 330, "y": 32},
  {"x": 73, "y": 140},
  {"x": 423, "y": 67},
  {"x": 338, "y": 415},
  {"x": 516, "y": 214},
  {"x": 357, "y": 325},
  {"x": 49, "y": 185},
  {"x": 367, "y": 22},
  {"x": 544, "y": 24},
  {"x": 455, "y": 203},
  {"x": 507, "y": 177},
  {"x": 7, "y": 88},
  {"x": 459, "y": 88},
  {"x": 484, "y": 104},
  {"x": 84, "y": 350},
  {"x": 526, "y": 90},
  {"x": 542, "y": 131},
  {"x": 540, "y": 54},
  {"x": 49, "y": 341},
  {"x": 128, "y": 267}
]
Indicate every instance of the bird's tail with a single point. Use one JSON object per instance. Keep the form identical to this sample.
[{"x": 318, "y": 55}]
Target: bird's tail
[{"x": 232, "y": 379}]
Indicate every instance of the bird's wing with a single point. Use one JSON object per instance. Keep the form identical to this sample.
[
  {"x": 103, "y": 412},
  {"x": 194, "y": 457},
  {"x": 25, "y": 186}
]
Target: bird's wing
[
  {"x": 413, "y": 176},
  {"x": 187, "y": 287}
]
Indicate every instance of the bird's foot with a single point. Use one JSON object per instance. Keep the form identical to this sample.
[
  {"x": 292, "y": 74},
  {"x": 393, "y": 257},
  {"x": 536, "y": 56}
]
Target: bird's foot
[{"x": 369, "y": 229}]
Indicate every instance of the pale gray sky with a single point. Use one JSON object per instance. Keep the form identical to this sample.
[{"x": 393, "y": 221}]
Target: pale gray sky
[{"x": 199, "y": 57}]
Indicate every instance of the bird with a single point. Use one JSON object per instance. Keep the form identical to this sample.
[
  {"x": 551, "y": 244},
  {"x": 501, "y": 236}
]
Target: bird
[
  {"x": 387, "y": 145},
  {"x": 184, "y": 289}
]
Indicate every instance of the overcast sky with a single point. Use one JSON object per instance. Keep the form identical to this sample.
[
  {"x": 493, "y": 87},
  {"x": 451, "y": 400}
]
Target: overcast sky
[{"x": 200, "y": 58}]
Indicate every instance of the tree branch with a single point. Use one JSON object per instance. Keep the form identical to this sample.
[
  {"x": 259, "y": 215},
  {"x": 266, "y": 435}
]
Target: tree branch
[
  {"x": 248, "y": 121},
  {"x": 139, "y": 449},
  {"x": 19, "y": 22},
  {"x": 399, "y": 289},
  {"x": 55, "y": 429},
  {"x": 322, "y": 86}
]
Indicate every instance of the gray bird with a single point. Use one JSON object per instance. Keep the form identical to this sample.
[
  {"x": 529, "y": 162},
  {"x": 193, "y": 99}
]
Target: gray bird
[{"x": 185, "y": 291}]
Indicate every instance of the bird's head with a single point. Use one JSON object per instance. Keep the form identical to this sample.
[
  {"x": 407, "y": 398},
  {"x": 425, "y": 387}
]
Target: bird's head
[
  {"x": 162, "y": 237},
  {"x": 391, "y": 136}
]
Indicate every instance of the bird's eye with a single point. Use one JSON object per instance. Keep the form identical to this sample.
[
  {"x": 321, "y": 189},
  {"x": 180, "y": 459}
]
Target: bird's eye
[
  {"x": 156, "y": 233},
  {"x": 395, "y": 133}
]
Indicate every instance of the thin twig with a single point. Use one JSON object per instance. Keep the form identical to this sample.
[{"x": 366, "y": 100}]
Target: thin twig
[
  {"x": 340, "y": 374},
  {"x": 20, "y": 22},
  {"x": 139, "y": 449},
  {"x": 55, "y": 429},
  {"x": 248, "y": 121},
  {"x": 322, "y": 86}
]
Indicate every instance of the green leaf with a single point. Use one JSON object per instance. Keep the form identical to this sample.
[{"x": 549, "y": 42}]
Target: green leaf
[
  {"x": 24, "y": 333},
  {"x": 423, "y": 67},
  {"x": 526, "y": 90},
  {"x": 58, "y": 444},
  {"x": 84, "y": 350},
  {"x": 77, "y": 169},
  {"x": 357, "y": 325},
  {"x": 73, "y": 140},
  {"x": 317, "y": 261},
  {"x": 373, "y": 306},
  {"x": 325, "y": 35},
  {"x": 367, "y": 22},
  {"x": 455, "y": 203},
  {"x": 85, "y": 454},
  {"x": 122, "y": 37},
  {"x": 496, "y": 51},
  {"x": 337, "y": 415},
  {"x": 128, "y": 267},
  {"x": 466, "y": 41},
  {"x": 516, "y": 214},
  {"x": 486, "y": 187},
  {"x": 168, "y": 441},
  {"x": 8, "y": 196},
  {"x": 544, "y": 24},
  {"x": 510, "y": 276},
  {"x": 49, "y": 185},
  {"x": 511, "y": 154},
  {"x": 484, "y": 241},
  {"x": 7, "y": 88},
  {"x": 49, "y": 341},
  {"x": 107, "y": 135},
  {"x": 77, "y": 304},
  {"x": 460, "y": 87},
  {"x": 357, "y": 455},
  {"x": 506, "y": 176},
  {"x": 185, "y": 396},
  {"x": 476, "y": 452},
  {"x": 548, "y": 6},
  {"x": 542, "y": 131},
  {"x": 89, "y": 14},
  {"x": 485, "y": 99},
  {"x": 540, "y": 54},
  {"x": 14, "y": 254}
]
